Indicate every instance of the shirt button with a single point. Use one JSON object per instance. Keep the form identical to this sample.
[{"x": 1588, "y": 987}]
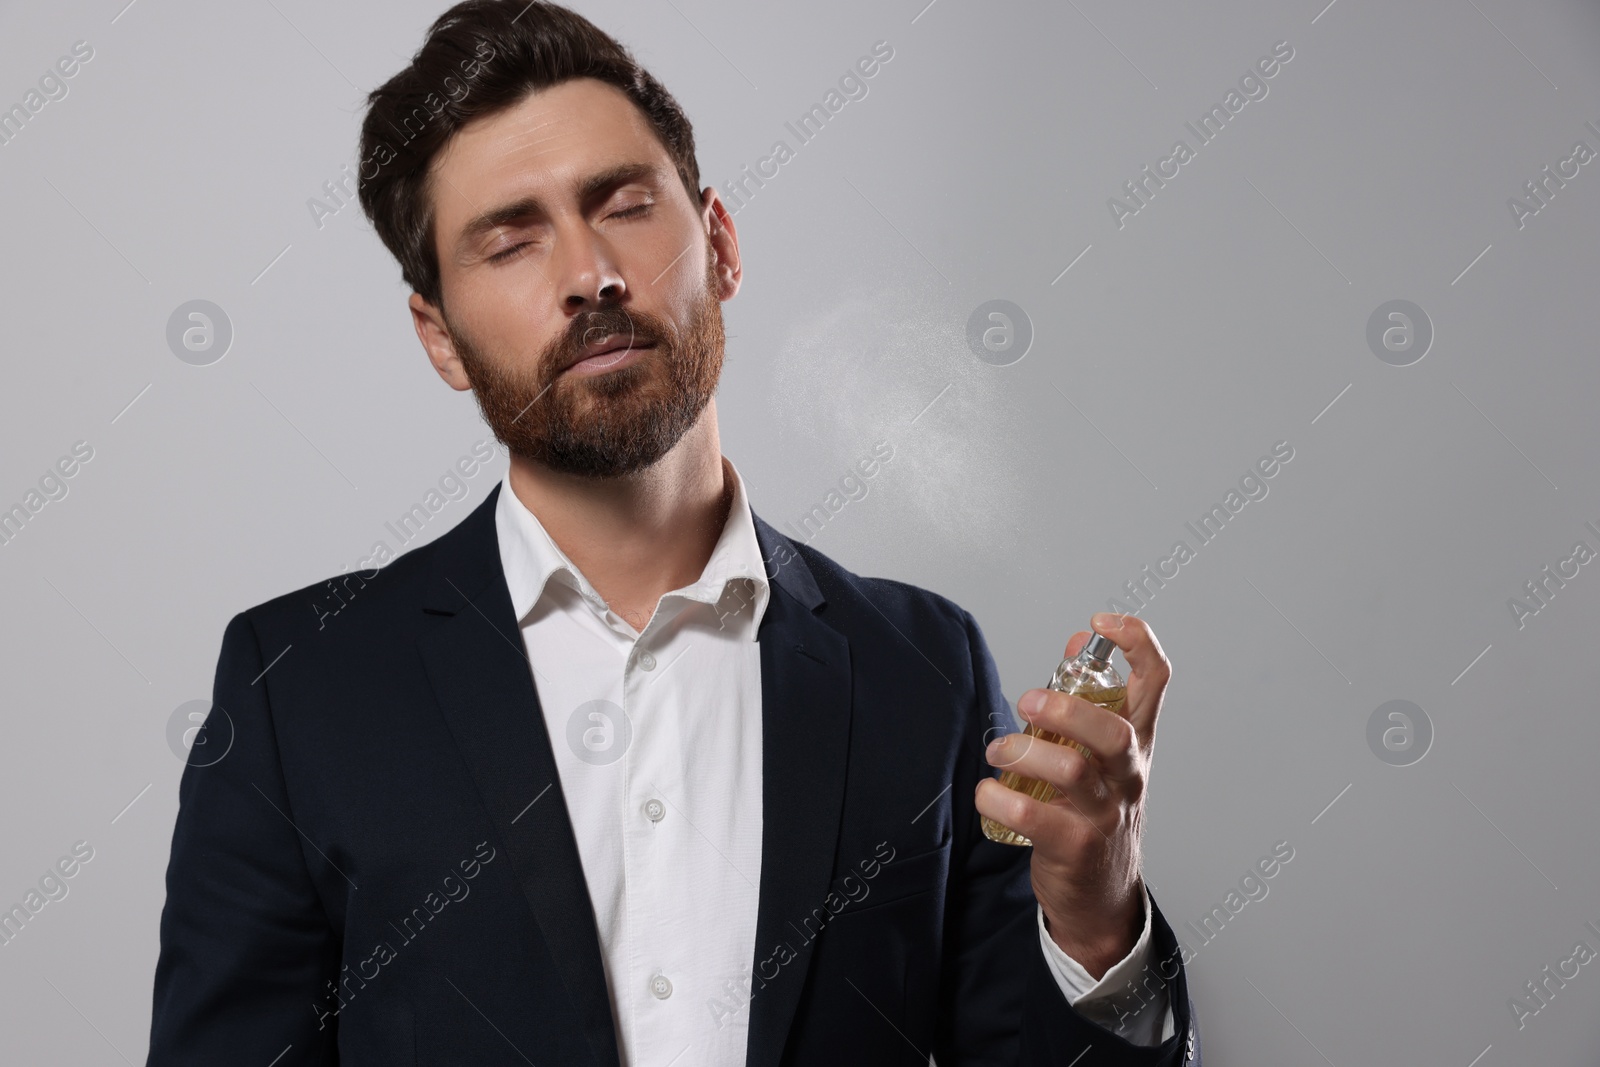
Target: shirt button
[
  {"x": 647, "y": 661},
  {"x": 655, "y": 811},
  {"x": 660, "y": 988}
]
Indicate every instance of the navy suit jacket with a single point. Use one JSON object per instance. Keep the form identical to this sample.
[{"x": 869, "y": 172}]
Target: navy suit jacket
[{"x": 373, "y": 862}]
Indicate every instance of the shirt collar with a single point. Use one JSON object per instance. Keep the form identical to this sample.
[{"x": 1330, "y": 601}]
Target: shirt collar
[{"x": 530, "y": 558}]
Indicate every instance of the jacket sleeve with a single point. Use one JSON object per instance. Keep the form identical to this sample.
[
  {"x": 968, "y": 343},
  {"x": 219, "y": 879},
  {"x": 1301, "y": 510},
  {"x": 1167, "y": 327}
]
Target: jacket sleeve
[
  {"x": 246, "y": 946},
  {"x": 1000, "y": 1004},
  {"x": 1146, "y": 1020}
]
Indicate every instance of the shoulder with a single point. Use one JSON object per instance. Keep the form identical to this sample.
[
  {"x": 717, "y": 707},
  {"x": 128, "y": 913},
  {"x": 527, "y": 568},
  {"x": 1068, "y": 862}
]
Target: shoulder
[
  {"x": 916, "y": 641},
  {"x": 353, "y": 603},
  {"x": 911, "y": 609}
]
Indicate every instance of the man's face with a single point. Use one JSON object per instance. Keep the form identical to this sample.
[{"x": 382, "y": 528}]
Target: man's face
[{"x": 562, "y": 227}]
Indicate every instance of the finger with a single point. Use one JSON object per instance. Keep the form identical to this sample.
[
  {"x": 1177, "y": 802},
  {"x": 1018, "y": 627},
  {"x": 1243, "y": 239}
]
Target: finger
[
  {"x": 1075, "y": 645},
  {"x": 1066, "y": 769},
  {"x": 1046, "y": 824},
  {"x": 1110, "y": 737},
  {"x": 1149, "y": 666}
]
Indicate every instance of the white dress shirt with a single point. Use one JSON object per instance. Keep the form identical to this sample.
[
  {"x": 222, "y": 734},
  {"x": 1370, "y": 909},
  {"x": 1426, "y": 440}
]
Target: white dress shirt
[{"x": 657, "y": 739}]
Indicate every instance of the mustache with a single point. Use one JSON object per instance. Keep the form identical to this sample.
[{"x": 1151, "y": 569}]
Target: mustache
[{"x": 597, "y": 325}]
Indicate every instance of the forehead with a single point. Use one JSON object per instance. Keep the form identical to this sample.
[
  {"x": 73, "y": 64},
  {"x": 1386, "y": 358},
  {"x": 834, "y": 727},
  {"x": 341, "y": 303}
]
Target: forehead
[{"x": 542, "y": 146}]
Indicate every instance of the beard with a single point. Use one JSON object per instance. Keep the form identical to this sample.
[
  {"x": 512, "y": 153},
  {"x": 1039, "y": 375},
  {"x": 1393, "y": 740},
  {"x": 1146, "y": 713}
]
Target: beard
[{"x": 611, "y": 424}]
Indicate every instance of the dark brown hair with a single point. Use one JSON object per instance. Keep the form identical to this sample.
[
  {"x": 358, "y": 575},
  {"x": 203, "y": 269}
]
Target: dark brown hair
[{"x": 481, "y": 57}]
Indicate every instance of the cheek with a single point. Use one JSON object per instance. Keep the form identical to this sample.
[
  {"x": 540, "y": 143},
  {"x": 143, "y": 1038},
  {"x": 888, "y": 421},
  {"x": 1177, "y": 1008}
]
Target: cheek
[
  {"x": 673, "y": 261},
  {"x": 684, "y": 284}
]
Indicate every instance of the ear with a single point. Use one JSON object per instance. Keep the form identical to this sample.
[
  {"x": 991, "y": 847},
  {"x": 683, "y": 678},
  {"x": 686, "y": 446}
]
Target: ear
[
  {"x": 435, "y": 338},
  {"x": 718, "y": 224}
]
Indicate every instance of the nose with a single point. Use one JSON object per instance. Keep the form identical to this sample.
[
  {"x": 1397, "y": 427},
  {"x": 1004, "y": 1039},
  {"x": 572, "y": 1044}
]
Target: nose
[{"x": 590, "y": 276}]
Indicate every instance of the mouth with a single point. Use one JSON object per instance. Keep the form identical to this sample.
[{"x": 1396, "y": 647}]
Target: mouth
[{"x": 610, "y": 354}]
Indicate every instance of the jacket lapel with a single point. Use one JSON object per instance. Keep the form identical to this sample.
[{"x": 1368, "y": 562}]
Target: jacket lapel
[
  {"x": 805, "y": 721},
  {"x": 478, "y": 667}
]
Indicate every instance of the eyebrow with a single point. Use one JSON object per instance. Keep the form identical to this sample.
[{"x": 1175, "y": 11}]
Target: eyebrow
[{"x": 495, "y": 217}]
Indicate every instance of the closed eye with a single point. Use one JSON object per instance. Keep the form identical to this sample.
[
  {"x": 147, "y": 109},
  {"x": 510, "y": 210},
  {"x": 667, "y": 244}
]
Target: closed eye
[
  {"x": 633, "y": 212},
  {"x": 636, "y": 211}
]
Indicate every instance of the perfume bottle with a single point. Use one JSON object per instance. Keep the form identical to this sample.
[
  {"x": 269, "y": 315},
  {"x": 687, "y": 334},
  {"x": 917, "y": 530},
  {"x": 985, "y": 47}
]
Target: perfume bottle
[{"x": 1089, "y": 675}]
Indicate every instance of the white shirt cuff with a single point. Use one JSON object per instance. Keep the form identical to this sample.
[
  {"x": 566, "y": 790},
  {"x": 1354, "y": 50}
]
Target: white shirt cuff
[{"x": 1136, "y": 1011}]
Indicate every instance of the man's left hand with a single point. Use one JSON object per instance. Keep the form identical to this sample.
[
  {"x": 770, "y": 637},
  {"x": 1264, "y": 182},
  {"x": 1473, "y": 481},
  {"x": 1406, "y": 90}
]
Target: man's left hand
[{"x": 1086, "y": 840}]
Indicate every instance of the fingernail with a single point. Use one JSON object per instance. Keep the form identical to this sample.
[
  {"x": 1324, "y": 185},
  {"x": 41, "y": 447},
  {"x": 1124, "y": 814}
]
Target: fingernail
[
  {"x": 993, "y": 751},
  {"x": 1106, "y": 620},
  {"x": 1031, "y": 702}
]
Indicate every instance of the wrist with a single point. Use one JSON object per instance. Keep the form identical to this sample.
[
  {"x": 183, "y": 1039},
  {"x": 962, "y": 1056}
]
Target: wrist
[{"x": 1099, "y": 947}]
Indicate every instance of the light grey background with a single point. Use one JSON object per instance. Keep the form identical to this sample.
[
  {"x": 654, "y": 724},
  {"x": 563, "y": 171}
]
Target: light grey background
[{"x": 1229, "y": 314}]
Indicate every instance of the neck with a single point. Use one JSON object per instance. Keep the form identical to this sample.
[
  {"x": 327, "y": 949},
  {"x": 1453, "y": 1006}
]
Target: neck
[{"x": 640, "y": 536}]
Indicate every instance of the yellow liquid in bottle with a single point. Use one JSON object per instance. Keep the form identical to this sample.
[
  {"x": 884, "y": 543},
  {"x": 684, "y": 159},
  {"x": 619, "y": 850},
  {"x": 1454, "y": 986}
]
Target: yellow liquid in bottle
[{"x": 1111, "y": 699}]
